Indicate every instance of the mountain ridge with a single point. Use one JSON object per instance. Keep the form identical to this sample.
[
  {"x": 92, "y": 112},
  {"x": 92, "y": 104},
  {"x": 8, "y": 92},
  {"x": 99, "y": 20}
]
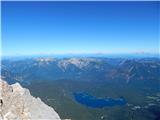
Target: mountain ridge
[{"x": 81, "y": 69}]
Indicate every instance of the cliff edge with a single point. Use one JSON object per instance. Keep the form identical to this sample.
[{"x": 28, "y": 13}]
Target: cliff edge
[{"x": 16, "y": 103}]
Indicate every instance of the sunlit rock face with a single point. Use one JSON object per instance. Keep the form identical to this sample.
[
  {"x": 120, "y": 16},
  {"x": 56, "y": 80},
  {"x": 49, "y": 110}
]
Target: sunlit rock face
[{"x": 16, "y": 103}]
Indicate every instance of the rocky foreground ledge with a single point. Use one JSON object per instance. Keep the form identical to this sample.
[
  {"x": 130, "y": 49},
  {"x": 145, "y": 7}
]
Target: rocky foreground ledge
[{"x": 16, "y": 103}]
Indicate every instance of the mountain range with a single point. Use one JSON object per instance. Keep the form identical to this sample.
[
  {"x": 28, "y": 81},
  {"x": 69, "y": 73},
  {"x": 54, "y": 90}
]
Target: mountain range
[
  {"x": 85, "y": 69},
  {"x": 56, "y": 80}
]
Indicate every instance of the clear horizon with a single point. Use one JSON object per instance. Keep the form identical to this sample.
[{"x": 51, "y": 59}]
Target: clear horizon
[
  {"x": 33, "y": 28},
  {"x": 88, "y": 55}
]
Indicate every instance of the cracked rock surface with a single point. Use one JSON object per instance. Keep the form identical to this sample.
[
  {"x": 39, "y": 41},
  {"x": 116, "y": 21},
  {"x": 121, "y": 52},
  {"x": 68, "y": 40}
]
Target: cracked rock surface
[{"x": 16, "y": 103}]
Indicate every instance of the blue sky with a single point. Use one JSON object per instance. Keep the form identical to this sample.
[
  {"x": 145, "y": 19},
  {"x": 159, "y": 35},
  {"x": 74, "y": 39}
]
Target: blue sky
[{"x": 79, "y": 27}]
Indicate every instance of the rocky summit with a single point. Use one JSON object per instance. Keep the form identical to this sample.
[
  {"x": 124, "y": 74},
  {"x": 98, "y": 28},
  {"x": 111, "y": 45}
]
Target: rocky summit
[{"x": 16, "y": 103}]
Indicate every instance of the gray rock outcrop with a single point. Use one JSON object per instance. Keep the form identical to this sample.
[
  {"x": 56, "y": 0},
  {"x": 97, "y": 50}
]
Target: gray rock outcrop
[{"x": 16, "y": 103}]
